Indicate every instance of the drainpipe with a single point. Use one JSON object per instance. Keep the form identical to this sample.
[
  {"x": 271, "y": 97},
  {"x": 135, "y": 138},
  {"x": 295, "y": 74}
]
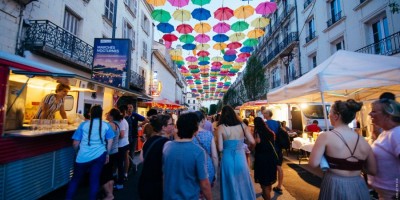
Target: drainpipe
[{"x": 298, "y": 36}]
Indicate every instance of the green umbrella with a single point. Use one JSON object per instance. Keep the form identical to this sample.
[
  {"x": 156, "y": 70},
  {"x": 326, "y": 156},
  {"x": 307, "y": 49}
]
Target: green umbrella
[
  {"x": 201, "y": 2},
  {"x": 179, "y": 62},
  {"x": 186, "y": 38},
  {"x": 161, "y": 15},
  {"x": 250, "y": 42},
  {"x": 239, "y": 26},
  {"x": 226, "y": 66},
  {"x": 205, "y": 58}
]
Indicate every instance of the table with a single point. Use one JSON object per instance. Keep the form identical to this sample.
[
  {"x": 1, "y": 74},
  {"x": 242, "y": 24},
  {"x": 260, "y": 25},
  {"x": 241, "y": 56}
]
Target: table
[{"x": 302, "y": 144}]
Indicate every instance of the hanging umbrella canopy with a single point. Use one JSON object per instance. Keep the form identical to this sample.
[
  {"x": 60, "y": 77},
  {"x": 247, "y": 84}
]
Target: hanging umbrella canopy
[
  {"x": 241, "y": 60},
  {"x": 202, "y": 27},
  {"x": 260, "y": 22},
  {"x": 204, "y": 62},
  {"x": 181, "y": 15},
  {"x": 186, "y": 38},
  {"x": 175, "y": 52},
  {"x": 160, "y": 15},
  {"x": 216, "y": 64},
  {"x": 189, "y": 46},
  {"x": 165, "y": 27},
  {"x": 230, "y": 52},
  {"x": 219, "y": 46},
  {"x": 266, "y": 8},
  {"x": 184, "y": 28},
  {"x": 201, "y": 14},
  {"x": 202, "y": 47},
  {"x": 193, "y": 66},
  {"x": 203, "y": 53},
  {"x": 244, "y": 55},
  {"x": 239, "y": 26},
  {"x": 193, "y": 63},
  {"x": 256, "y": 33},
  {"x": 217, "y": 58},
  {"x": 156, "y": 2},
  {"x": 223, "y": 13},
  {"x": 179, "y": 3},
  {"x": 170, "y": 37},
  {"x": 236, "y": 37},
  {"x": 230, "y": 58},
  {"x": 176, "y": 58},
  {"x": 220, "y": 38},
  {"x": 202, "y": 38},
  {"x": 191, "y": 58},
  {"x": 247, "y": 49},
  {"x": 250, "y": 42},
  {"x": 244, "y": 12},
  {"x": 179, "y": 63},
  {"x": 234, "y": 45},
  {"x": 221, "y": 27},
  {"x": 201, "y": 2},
  {"x": 204, "y": 58}
]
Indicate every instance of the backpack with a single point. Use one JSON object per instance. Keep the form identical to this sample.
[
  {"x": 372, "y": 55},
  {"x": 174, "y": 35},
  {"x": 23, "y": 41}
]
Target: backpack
[{"x": 282, "y": 138}]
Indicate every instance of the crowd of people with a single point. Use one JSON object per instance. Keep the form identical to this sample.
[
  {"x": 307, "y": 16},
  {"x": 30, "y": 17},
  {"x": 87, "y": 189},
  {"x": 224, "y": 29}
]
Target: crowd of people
[{"x": 183, "y": 158}]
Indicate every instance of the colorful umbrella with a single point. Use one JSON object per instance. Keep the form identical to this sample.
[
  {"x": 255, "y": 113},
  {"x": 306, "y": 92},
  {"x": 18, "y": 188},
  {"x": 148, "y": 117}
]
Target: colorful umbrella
[
  {"x": 181, "y": 15},
  {"x": 236, "y": 37},
  {"x": 201, "y": 2},
  {"x": 250, "y": 42},
  {"x": 247, "y": 49},
  {"x": 223, "y": 13},
  {"x": 239, "y": 26},
  {"x": 219, "y": 46},
  {"x": 203, "y": 53},
  {"x": 259, "y": 22},
  {"x": 241, "y": 60},
  {"x": 178, "y": 3},
  {"x": 191, "y": 58},
  {"x": 256, "y": 33},
  {"x": 176, "y": 58},
  {"x": 230, "y": 58},
  {"x": 204, "y": 63},
  {"x": 186, "y": 38},
  {"x": 202, "y": 38},
  {"x": 160, "y": 15},
  {"x": 204, "y": 58},
  {"x": 230, "y": 52},
  {"x": 184, "y": 28},
  {"x": 170, "y": 37},
  {"x": 220, "y": 38},
  {"x": 244, "y": 55},
  {"x": 202, "y": 46},
  {"x": 188, "y": 46},
  {"x": 244, "y": 12},
  {"x": 202, "y": 27},
  {"x": 216, "y": 64},
  {"x": 175, "y": 52},
  {"x": 221, "y": 27},
  {"x": 266, "y": 8},
  {"x": 234, "y": 45},
  {"x": 217, "y": 58},
  {"x": 193, "y": 66},
  {"x": 201, "y": 14},
  {"x": 156, "y": 2},
  {"x": 165, "y": 27}
]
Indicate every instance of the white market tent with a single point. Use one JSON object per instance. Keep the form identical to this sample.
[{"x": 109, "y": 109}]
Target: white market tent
[{"x": 344, "y": 75}]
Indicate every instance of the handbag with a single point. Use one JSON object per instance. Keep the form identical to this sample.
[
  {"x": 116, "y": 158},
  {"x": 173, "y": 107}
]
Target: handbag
[{"x": 273, "y": 148}]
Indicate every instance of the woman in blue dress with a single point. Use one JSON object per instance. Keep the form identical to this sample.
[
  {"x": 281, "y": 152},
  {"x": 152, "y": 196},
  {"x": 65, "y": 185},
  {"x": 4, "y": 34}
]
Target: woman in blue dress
[{"x": 235, "y": 175}]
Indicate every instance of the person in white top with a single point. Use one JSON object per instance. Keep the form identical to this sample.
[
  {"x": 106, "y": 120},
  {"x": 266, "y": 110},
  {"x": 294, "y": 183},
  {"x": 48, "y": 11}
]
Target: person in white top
[
  {"x": 260, "y": 113},
  {"x": 123, "y": 153}
]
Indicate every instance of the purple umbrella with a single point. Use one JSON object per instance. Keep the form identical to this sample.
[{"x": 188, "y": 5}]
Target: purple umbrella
[
  {"x": 266, "y": 8},
  {"x": 202, "y": 38},
  {"x": 178, "y": 3},
  {"x": 221, "y": 27}
]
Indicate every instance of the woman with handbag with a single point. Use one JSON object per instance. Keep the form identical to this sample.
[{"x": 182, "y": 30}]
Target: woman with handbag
[{"x": 265, "y": 158}]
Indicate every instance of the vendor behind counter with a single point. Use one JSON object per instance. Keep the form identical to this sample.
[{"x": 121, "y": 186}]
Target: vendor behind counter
[{"x": 52, "y": 103}]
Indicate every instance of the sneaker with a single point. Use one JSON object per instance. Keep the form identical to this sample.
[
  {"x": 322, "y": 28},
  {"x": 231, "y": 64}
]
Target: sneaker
[
  {"x": 119, "y": 187},
  {"x": 277, "y": 190}
]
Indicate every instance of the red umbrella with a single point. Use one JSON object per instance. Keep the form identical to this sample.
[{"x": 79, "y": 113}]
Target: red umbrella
[
  {"x": 193, "y": 66},
  {"x": 230, "y": 52},
  {"x": 216, "y": 64},
  {"x": 223, "y": 13},
  {"x": 244, "y": 55},
  {"x": 266, "y": 8},
  {"x": 234, "y": 45},
  {"x": 202, "y": 38},
  {"x": 184, "y": 28},
  {"x": 203, "y": 53},
  {"x": 170, "y": 37}
]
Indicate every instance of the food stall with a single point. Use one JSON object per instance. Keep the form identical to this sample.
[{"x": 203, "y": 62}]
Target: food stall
[{"x": 36, "y": 159}]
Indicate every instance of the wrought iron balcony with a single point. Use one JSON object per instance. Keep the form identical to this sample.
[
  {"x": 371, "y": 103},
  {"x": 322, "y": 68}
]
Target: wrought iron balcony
[
  {"x": 137, "y": 82},
  {"x": 387, "y": 46},
  {"x": 48, "y": 38},
  {"x": 336, "y": 17},
  {"x": 307, "y": 2},
  {"x": 310, "y": 37}
]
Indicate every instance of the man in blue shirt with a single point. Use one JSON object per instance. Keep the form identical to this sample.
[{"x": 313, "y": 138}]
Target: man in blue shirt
[{"x": 184, "y": 163}]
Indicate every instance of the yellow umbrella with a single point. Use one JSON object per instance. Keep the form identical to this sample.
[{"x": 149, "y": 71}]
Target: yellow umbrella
[
  {"x": 227, "y": 63},
  {"x": 260, "y": 22},
  {"x": 192, "y": 63},
  {"x": 217, "y": 59},
  {"x": 203, "y": 47},
  {"x": 176, "y": 58},
  {"x": 156, "y": 2},
  {"x": 256, "y": 33},
  {"x": 244, "y": 11},
  {"x": 175, "y": 52},
  {"x": 219, "y": 46},
  {"x": 236, "y": 37},
  {"x": 202, "y": 27},
  {"x": 182, "y": 15}
]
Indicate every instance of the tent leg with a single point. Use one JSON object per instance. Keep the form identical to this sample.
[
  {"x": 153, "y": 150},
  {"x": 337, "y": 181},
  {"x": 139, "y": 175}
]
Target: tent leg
[{"x": 324, "y": 110}]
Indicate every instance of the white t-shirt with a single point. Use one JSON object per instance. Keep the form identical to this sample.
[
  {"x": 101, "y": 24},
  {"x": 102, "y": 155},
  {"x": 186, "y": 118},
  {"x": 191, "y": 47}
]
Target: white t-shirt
[{"x": 124, "y": 126}]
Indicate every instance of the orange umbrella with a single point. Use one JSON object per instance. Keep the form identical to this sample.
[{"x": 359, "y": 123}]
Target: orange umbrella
[
  {"x": 244, "y": 11},
  {"x": 219, "y": 46},
  {"x": 202, "y": 27},
  {"x": 156, "y": 2},
  {"x": 256, "y": 33}
]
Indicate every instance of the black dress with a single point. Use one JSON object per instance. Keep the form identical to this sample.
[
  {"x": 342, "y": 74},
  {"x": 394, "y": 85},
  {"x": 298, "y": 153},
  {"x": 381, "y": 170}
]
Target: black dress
[{"x": 265, "y": 161}]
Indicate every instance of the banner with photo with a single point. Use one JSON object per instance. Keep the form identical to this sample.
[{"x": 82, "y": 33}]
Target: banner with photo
[{"x": 111, "y": 61}]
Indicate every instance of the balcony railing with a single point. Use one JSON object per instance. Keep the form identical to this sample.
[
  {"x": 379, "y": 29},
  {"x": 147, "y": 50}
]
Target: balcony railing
[
  {"x": 43, "y": 35},
  {"x": 334, "y": 19},
  {"x": 310, "y": 37},
  {"x": 281, "y": 46},
  {"x": 386, "y": 46},
  {"x": 137, "y": 81},
  {"x": 306, "y": 3}
]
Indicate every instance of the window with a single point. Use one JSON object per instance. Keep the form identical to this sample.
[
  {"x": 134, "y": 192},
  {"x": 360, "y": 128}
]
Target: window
[
  {"x": 339, "y": 45},
  {"x": 313, "y": 61},
  {"x": 335, "y": 11},
  {"x": 291, "y": 71},
  {"x": 128, "y": 32},
  {"x": 189, "y": 101},
  {"x": 194, "y": 101},
  {"x": 380, "y": 31},
  {"x": 146, "y": 24},
  {"x": 144, "y": 52},
  {"x": 311, "y": 30},
  {"x": 71, "y": 22},
  {"x": 194, "y": 108},
  {"x": 132, "y": 5},
  {"x": 109, "y": 10},
  {"x": 276, "y": 78}
]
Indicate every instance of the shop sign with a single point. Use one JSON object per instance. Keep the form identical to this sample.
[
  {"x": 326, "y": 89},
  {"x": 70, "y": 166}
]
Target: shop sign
[{"x": 111, "y": 61}]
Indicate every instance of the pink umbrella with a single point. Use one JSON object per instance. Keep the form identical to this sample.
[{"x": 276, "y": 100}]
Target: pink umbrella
[
  {"x": 266, "y": 8},
  {"x": 244, "y": 55},
  {"x": 221, "y": 27},
  {"x": 202, "y": 38},
  {"x": 168, "y": 44},
  {"x": 178, "y": 3},
  {"x": 203, "y": 53},
  {"x": 234, "y": 45},
  {"x": 241, "y": 59},
  {"x": 216, "y": 64},
  {"x": 223, "y": 13},
  {"x": 184, "y": 28},
  {"x": 191, "y": 58},
  {"x": 230, "y": 52}
]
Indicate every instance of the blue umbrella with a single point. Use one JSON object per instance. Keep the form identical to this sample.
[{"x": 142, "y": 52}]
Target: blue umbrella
[
  {"x": 189, "y": 46},
  {"x": 246, "y": 49},
  {"x": 220, "y": 38},
  {"x": 204, "y": 63},
  {"x": 165, "y": 27},
  {"x": 201, "y": 14},
  {"x": 229, "y": 58}
]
